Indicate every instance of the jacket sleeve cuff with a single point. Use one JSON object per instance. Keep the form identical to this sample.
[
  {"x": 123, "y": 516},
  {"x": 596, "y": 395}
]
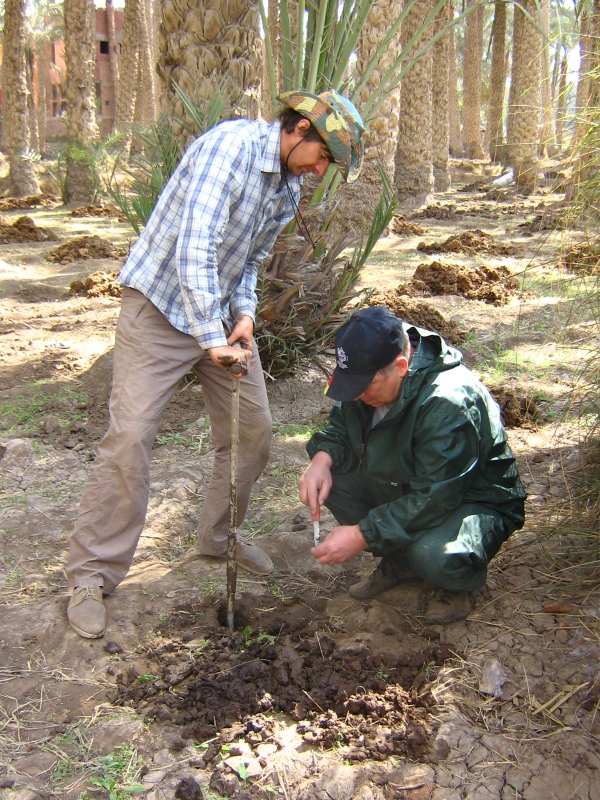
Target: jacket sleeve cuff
[{"x": 370, "y": 537}]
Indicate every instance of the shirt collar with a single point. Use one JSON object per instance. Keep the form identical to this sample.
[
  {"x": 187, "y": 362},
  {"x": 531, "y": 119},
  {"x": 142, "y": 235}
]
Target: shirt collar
[{"x": 271, "y": 151}]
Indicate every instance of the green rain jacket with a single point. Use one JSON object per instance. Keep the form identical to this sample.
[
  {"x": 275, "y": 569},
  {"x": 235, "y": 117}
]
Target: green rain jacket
[{"x": 441, "y": 444}]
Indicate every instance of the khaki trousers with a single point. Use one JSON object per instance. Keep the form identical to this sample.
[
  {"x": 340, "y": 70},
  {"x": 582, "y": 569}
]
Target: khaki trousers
[{"x": 150, "y": 357}]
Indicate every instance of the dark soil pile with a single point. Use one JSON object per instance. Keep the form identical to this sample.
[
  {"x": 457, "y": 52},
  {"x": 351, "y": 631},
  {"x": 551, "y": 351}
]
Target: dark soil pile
[
  {"x": 338, "y": 691},
  {"x": 470, "y": 242},
  {"x": 105, "y": 210},
  {"x": 517, "y": 408},
  {"x": 417, "y": 312},
  {"x": 401, "y": 226},
  {"x": 493, "y": 285},
  {"x": 12, "y": 203},
  {"x": 84, "y": 247},
  {"x": 98, "y": 284},
  {"x": 583, "y": 258},
  {"x": 438, "y": 211},
  {"x": 24, "y": 229}
]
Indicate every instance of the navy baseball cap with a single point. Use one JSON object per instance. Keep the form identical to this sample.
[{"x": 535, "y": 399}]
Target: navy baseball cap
[{"x": 368, "y": 342}]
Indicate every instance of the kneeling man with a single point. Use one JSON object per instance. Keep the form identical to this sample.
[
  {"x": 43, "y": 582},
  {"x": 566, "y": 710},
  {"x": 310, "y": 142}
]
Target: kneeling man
[{"x": 414, "y": 465}]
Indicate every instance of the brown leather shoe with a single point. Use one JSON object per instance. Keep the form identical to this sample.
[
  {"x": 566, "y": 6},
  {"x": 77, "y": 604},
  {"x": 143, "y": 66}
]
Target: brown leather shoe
[
  {"x": 385, "y": 576},
  {"x": 86, "y": 613},
  {"x": 446, "y": 607}
]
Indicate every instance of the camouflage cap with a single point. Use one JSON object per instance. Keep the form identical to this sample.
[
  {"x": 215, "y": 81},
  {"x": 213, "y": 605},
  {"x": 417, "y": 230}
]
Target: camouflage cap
[{"x": 339, "y": 125}]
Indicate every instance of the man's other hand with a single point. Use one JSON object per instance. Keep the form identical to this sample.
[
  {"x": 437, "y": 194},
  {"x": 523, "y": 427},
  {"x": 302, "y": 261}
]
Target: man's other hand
[
  {"x": 242, "y": 332},
  {"x": 315, "y": 483},
  {"x": 341, "y": 544}
]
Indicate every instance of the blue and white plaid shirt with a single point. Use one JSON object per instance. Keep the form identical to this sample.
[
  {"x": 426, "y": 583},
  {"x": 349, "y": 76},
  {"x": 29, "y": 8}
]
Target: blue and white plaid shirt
[{"x": 218, "y": 217}]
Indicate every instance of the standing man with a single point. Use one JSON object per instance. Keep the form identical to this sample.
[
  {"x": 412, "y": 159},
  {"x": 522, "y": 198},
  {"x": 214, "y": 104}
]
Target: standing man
[
  {"x": 414, "y": 465},
  {"x": 188, "y": 297}
]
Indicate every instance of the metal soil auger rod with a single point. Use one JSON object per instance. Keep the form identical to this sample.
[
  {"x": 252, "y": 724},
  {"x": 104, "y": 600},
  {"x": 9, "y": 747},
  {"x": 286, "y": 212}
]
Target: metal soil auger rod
[{"x": 236, "y": 368}]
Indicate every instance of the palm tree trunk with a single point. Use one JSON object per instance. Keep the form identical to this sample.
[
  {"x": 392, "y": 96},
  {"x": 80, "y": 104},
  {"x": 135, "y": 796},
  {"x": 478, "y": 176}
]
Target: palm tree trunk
[
  {"x": 147, "y": 67},
  {"x": 80, "y": 60},
  {"x": 202, "y": 46},
  {"x": 547, "y": 137},
  {"x": 34, "y": 138},
  {"x": 583, "y": 82},
  {"x": 15, "y": 114},
  {"x": 561, "y": 103},
  {"x": 128, "y": 77},
  {"x": 413, "y": 176},
  {"x": 473, "y": 55},
  {"x": 495, "y": 127},
  {"x": 440, "y": 130},
  {"x": 42, "y": 111},
  {"x": 455, "y": 141},
  {"x": 524, "y": 96},
  {"x": 357, "y": 202},
  {"x": 112, "y": 52}
]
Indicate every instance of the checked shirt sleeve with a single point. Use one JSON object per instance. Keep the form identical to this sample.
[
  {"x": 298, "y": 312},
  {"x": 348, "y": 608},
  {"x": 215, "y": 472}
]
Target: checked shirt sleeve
[{"x": 216, "y": 183}]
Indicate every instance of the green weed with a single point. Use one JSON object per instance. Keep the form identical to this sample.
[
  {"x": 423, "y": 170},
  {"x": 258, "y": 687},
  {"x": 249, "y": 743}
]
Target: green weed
[{"x": 118, "y": 772}]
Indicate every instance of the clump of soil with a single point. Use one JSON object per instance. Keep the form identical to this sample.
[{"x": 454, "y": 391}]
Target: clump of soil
[
  {"x": 105, "y": 210},
  {"x": 518, "y": 409},
  {"x": 84, "y": 247},
  {"x": 583, "y": 258},
  {"x": 24, "y": 229},
  {"x": 98, "y": 284},
  {"x": 417, "y": 312},
  {"x": 403, "y": 227},
  {"x": 438, "y": 211},
  {"x": 12, "y": 203},
  {"x": 338, "y": 691},
  {"x": 469, "y": 242},
  {"x": 493, "y": 285}
]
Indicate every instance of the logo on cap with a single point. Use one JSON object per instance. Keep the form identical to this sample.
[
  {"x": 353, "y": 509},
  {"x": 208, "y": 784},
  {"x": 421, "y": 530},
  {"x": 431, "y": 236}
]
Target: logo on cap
[{"x": 342, "y": 358}]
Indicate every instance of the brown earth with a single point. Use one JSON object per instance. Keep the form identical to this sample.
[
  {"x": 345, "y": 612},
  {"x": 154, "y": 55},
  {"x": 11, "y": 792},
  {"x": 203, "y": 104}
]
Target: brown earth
[
  {"x": 13, "y": 203},
  {"x": 518, "y": 409},
  {"x": 97, "y": 284},
  {"x": 85, "y": 247},
  {"x": 101, "y": 210},
  {"x": 470, "y": 242},
  {"x": 493, "y": 285},
  {"x": 416, "y": 312},
  {"x": 22, "y": 230},
  {"x": 405, "y": 710},
  {"x": 400, "y": 226}
]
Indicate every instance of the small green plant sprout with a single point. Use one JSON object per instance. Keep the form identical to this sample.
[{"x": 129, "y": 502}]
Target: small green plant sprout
[
  {"x": 147, "y": 678},
  {"x": 118, "y": 772},
  {"x": 247, "y": 634},
  {"x": 381, "y": 675},
  {"x": 201, "y": 647},
  {"x": 242, "y": 771},
  {"x": 266, "y": 637}
]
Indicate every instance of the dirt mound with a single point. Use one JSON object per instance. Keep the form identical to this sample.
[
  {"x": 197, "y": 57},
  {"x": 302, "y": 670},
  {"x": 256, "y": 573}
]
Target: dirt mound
[
  {"x": 401, "y": 226},
  {"x": 98, "y": 284},
  {"x": 12, "y": 203},
  {"x": 517, "y": 408},
  {"x": 583, "y": 258},
  {"x": 469, "y": 242},
  {"x": 281, "y": 663},
  {"x": 24, "y": 229},
  {"x": 438, "y": 211},
  {"x": 493, "y": 285},
  {"x": 84, "y": 247},
  {"x": 416, "y": 312},
  {"x": 105, "y": 210}
]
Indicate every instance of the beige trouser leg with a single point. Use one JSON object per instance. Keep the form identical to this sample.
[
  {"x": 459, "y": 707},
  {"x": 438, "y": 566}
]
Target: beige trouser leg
[{"x": 150, "y": 357}]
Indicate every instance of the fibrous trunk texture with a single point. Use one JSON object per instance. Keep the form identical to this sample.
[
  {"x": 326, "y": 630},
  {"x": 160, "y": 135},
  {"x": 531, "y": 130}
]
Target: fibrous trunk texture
[
  {"x": 147, "y": 68},
  {"x": 547, "y": 137},
  {"x": 266, "y": 90},
  {"x": 15, "y": 112},
  {"x": 357, "y": 202},
  {"x": 524, "y": 96},
  {"x": 80, "y": 60},
  {"x": 34, "y": 138},
  {"x": 473, "y": 55},
  {"x": 440, "y": 133},
  {"x": 130, "y": 59},
  {"x": 203, "y": 45},
  {"x": 413, "y": 175},
  {"x": 561, "y": 103},
  {"x": 112, "y": 52},
  {"x": 495, "y": 127},
  {"x": 42, "y": 71},
  {"x": 455, "y": 142}
]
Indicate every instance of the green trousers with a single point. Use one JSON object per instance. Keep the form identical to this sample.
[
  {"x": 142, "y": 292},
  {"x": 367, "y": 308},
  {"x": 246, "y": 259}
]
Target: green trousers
[{"x": 453, "y": 555}]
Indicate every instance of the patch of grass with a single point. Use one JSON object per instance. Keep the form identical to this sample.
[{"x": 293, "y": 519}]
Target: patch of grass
[
  {"x": 21, "y": 413},
  {"x": 301, "y": 432},
  {"x": 118, "y": 773},
  {"x": 176, "y": 438}
]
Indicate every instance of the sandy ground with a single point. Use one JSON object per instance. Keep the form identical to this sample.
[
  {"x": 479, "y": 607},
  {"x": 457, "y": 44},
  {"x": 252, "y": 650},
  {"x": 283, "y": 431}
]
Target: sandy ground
[{"x": 315, "y": 695}]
